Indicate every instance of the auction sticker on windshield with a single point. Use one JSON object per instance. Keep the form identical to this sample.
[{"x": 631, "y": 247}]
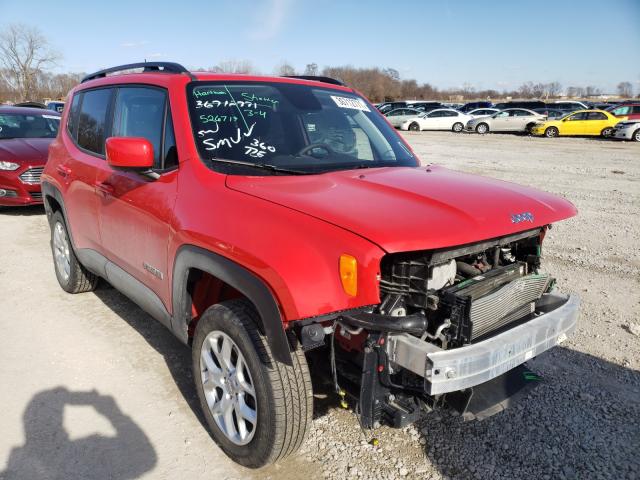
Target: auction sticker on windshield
[{"x": 347, "y": 102}]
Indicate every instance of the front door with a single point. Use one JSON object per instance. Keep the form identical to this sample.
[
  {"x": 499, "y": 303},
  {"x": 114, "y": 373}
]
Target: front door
[{"x": 135, "y": 210}]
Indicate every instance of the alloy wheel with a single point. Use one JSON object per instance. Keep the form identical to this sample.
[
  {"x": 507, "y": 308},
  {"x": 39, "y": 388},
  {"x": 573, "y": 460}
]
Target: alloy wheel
[
  {"x": 61, "y": 253},
  {"x": 228, "y": 387}
]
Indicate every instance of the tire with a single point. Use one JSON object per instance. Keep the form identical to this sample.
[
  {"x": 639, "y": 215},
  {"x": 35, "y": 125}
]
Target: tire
[
  {"x": 607, "y": 132},
  {"x": 457, "y": 127},
  {"x": 414, "y": 127},
  {"x": 482, "y": 128},
  {"x": 71, "y": 275},
  {"x": 280, "y": 396},
  {"x": 636, "y": 135},
  {"x": 551, "y": 132}
]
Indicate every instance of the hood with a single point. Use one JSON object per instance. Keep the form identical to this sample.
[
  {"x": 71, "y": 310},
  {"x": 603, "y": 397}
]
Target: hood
[
  {"x": 405, "y": 209},
  {"x": 33, "y": 151}
]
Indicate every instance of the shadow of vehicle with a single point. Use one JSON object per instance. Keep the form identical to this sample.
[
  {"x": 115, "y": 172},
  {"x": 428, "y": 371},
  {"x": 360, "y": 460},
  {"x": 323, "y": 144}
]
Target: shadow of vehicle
[
  {"x": 176, "y": 355},
  {"x": 27, "y": 211},
  {"x": 581, "y": 422},
  {"x": 49, "y": 453}
]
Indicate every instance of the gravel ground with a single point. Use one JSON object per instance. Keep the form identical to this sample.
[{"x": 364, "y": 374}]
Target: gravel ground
[{"x": 94, "y": 388}]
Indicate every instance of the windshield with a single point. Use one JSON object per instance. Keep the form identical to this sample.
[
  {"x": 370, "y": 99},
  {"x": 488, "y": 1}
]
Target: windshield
[
  {"x": 293, "y": 127},
  {"x": 14, "y": 125}
]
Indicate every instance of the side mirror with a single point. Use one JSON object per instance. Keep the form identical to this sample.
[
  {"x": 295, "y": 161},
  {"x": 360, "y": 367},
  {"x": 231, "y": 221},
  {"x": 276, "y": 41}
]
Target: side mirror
[{"x": 133, "y": 153}]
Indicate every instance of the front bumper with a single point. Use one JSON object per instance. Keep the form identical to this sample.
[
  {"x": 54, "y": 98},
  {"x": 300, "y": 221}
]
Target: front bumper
[
  {"x": 14, "y": 191},
  {"x": 460, "y": 368},
  {"x": 625, "y": 134}
]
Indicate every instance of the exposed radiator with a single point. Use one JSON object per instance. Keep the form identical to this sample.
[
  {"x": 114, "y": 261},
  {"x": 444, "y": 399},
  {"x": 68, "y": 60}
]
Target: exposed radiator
[{"x": 488, "y": 302}]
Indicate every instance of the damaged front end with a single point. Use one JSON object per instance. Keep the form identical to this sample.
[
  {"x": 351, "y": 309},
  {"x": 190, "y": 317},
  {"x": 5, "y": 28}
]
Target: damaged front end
[{"x": 454, "y": 328}]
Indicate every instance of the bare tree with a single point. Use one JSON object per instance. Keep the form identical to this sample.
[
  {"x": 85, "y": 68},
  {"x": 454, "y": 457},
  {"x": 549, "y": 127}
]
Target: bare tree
[
  {"x": 312, "y": 69},
  {"x": 575, "y": 92},
  {"x": 625, "y": 89},
  {"x": 284, "y": 69},
  {"x": 554, "y": 89},
  {"x": 24, "y": 53},
  {"x": 591, "y": 91},
  {"x": 234, "y": 66}
]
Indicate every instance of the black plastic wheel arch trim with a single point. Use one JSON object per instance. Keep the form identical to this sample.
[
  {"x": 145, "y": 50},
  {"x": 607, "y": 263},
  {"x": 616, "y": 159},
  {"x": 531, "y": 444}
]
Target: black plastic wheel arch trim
[{"x": 243, "y": 280}]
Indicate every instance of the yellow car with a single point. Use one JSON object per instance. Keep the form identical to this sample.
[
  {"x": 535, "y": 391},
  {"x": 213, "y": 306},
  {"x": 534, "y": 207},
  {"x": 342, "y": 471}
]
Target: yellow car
[{"x": 582, "y": 122}]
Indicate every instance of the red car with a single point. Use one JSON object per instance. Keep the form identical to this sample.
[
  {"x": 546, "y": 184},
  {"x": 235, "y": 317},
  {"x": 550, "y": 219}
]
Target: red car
[
  {"x": 25, "y": 135},
  {"x": 260, "y": 218},
  {"x": 630, "y": 111}
]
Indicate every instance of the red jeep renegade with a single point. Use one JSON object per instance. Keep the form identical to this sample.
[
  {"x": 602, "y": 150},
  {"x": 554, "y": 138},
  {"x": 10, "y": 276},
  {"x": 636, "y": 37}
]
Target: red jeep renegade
[{"x": 260, "y": 218}]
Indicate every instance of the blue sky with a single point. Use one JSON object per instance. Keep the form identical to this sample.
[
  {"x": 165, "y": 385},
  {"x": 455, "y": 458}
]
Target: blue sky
[{"x": 490, "y": 44}]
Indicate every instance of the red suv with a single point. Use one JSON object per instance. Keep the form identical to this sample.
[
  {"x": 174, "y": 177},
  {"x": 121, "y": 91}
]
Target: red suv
[
  {"x": 25, "y": 135},
  {"x": 260, "y": 218}
]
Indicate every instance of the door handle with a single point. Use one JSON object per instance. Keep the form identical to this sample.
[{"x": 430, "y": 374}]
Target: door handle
[
  {"x": 105, "y": 188},
  {"x": 63, "y": 171}
]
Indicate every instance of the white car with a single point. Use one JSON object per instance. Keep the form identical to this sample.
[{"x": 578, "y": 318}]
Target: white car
[
  {"x": 400, "y": 115},
  {"x": 627, "y": 130},
  {"x": 440, "y": 119},
  {"x": 509, "y": 120},
  {"x": 482, "y": 112}
]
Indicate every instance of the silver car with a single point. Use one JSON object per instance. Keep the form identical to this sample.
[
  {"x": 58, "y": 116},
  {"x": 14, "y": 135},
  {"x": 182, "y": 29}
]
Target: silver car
[
  {"x": 627, "y": 130},
  {"x": 509, "y": 120},
  {"x": 400, "y": 115}
]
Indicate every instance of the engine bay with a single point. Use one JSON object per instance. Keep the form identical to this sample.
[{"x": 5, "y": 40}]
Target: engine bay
[{"x": 468, "y": 292}]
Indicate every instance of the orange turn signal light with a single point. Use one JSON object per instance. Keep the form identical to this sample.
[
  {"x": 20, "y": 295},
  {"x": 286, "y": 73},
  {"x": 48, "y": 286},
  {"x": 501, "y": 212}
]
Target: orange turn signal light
[{"x": 349, "y": 274}]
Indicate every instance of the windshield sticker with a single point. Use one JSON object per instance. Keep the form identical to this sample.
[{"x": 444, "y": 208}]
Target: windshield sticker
[
  {"x": 352, "y": 103},
  {"x": 52, "y": 117}
]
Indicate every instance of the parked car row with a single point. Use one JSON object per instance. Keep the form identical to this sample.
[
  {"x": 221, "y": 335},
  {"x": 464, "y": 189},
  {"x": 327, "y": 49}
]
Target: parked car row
[{"x": 542, "y": 121}]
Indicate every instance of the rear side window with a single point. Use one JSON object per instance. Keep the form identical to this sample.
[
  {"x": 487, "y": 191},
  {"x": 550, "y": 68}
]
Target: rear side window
[
  {"x": 72, "y": 120},
  {"x": 596, "y": 116},
  {"x": 622, "y": 110},
  {"x": 92, "y": 121},
  {"x": 139, "y": 112}
]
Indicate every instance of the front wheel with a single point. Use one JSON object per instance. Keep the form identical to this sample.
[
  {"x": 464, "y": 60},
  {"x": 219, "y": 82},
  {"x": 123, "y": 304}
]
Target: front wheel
[
  {"x": 482, "y": 128},
  {"x": 71, "y": 275},
  {"x": 551, "y": 132},
  {"x": 414, "y": 127},
  {"x": 636, "y": 135},
  {"x": 607, "y": 132},
  {"x": 457, "y": 127},
  {"x": 258, "y": 410}
]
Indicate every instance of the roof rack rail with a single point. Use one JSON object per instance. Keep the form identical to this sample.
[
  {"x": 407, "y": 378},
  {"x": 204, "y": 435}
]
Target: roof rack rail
[
  {"x": 164, "y": 67},
  {"x": 315, "y": 78}
]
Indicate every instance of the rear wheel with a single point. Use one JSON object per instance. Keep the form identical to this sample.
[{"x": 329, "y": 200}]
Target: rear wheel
[
  {"x": 71, "y": 275},
  {"x": 482, "y": 128},
  {"x": 457, "y": 127},
  {"x": 551, "y": 132},
  {"x": 414, "y": 127},
  {"x": 636, "y": 135},
  {"x": 607, "y": 132},
  {"x": 258, "y": 410}
]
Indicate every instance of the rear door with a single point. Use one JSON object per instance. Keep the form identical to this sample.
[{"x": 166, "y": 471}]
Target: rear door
[
  {"x": 595, "y": 123},
  {"x": 520, "y": 120},
  {"x": 136, "y": 211}
]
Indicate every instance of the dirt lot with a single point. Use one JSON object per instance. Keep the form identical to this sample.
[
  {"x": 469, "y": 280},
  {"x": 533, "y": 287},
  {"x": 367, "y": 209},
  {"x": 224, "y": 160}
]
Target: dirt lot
[{"x": 94, "y": 388}]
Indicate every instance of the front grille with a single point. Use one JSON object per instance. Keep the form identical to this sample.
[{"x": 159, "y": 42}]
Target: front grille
[
  {"x": 36, "y": 195},
  {"x": 32, "y": 176}
]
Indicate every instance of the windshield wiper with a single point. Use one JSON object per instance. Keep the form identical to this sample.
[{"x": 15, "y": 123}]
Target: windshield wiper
[{"x": 262, "y": 166}]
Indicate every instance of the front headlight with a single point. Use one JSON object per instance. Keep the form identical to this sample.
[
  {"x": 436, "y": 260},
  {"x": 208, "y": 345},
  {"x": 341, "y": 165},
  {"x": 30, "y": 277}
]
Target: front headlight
[{"x": 8, "y": 165}]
